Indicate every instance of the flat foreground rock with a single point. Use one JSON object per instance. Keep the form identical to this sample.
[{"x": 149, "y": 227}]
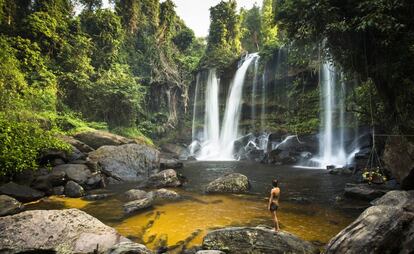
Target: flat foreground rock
[
  {"x": 62, "y": 231},
  {"x": 257, "y": 240}
]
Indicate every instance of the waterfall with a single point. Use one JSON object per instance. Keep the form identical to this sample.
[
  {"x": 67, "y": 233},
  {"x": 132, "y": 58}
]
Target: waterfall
[
  {"x": 211, "y": 133},
  {"x": 254, "y": 88},
  {"x": 218, "y": 144},
  {"x": 332, "y": 152},
  {"x": 263, "y": 113},
  {"x": 230, "y": 127}
]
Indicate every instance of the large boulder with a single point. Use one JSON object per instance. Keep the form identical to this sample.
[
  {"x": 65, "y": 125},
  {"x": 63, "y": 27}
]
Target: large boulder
[
  {"x": 364, "y": 191},
  {"x": 165, "y": 178},
  {"x": 61, "y": 231},
  {"x": 74, "y": 190},
  {"x": 9, "y": 205},
  {"x": 239, "y": 240},
  {"x": 75, "y": 172},
  {"x": 131, "y": 162},
  {"x": 386, "y": 227},
  {"x": 22, "y": 193},
  {"x": 398, "y": 158},
  {"x": 129, "y": 248},
  {"x": 96, "y": 139},
  {"x": 230, "y": 183}
]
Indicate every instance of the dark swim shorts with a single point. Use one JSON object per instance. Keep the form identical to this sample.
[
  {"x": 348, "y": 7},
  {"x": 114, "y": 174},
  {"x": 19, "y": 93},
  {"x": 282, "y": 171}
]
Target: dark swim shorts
[{"x": 273, "y": 207}]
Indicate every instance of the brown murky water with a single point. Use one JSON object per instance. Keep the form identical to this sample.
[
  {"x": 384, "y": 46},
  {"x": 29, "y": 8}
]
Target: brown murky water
[{"x": 185, "y": 222}]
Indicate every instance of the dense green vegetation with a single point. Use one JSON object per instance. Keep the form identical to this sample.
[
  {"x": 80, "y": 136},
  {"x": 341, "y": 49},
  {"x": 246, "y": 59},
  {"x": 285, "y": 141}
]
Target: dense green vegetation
[
  {"x": 371, "y": 40},
  {"x": 65, "y": 71}
]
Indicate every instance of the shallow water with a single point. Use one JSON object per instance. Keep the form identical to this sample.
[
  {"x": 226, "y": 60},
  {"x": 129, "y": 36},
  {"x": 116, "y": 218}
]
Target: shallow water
[{"x": 306, "y": 207}]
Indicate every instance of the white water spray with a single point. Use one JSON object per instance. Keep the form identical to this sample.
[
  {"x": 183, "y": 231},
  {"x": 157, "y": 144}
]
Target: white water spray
[
  {"x": 332, "y": 153},
  {"x": 215, "y": 146}
]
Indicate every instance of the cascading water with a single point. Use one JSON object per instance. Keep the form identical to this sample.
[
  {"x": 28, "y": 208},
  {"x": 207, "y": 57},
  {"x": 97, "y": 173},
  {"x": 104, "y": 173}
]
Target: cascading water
[
  {"x": 332, "y": 153},
  {"x": 263, "y": 113},
  {"x": 254, "y": 88},
  {"x": 215, "y": 146},
  {"x": 211, "y": 137}
]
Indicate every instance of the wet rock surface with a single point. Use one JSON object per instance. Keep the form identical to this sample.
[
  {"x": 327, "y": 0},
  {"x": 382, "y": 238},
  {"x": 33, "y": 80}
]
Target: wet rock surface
[
  {"x": 138, "y": 205},
  {"x": 365, "y": 191},
  {"x": 386, "y": 227},
  {"x": 22, "y": 193},
  {"x": 164, "y": 194},
  {"x": 255, "y": 240},
  {"x": 61, "y": 231},
  {"x": 135, "y": 194},
  {"x": 74, "y": 190},
  {"x": 170, "y": 164},
  {"x": 129, "y": 248},
  {"x": 9, "y": 205},
  {"x": 230, "y": 183},
  {"x": 165, "y": 178}
]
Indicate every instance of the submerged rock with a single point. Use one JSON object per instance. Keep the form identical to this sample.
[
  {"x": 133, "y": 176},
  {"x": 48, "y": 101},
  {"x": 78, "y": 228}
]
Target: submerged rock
[
  {"x": 61, "y": 231},
  {"x": 132, "y": 162},
  {"x": 96, "y": 139},
  {"x": 9, "y": 205},
  {"x": 94, "y": 197},
  {"x": 165, "y": 178},
  {"x": 239, "y": 240},
  {"x": 59, "y": 190},
  {"x": 74, "y": 190},
  {"x": 164, "y": 194},
  {"x": 137, "y": 205},
  {"x": 170, "y": 163},
  {"x": 386, "y": 227},
  {"x": 22, "y": 193},
  {"x": 230, "y": 183},
  {"x": 364, "y": 191},
  {"x": 210, "y": 252},
  {"x": 135, "y": 194},
  {"x": 129, "y": 248}
]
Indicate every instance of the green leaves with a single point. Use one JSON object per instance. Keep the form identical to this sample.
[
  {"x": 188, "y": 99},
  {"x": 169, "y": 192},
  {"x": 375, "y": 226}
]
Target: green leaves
[{"x": 21, "y": 141}]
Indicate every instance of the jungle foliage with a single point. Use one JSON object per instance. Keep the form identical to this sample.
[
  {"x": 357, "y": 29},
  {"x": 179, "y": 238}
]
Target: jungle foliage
[
  {"x": 65, "y": 64},
  {"x": 370, "y": 39}
]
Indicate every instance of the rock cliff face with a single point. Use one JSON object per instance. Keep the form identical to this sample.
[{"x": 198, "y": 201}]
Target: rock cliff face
[{"x": 386, "y": 227}]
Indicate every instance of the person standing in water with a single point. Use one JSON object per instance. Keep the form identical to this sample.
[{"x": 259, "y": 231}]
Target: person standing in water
[{"x": 274, "y": 203}]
